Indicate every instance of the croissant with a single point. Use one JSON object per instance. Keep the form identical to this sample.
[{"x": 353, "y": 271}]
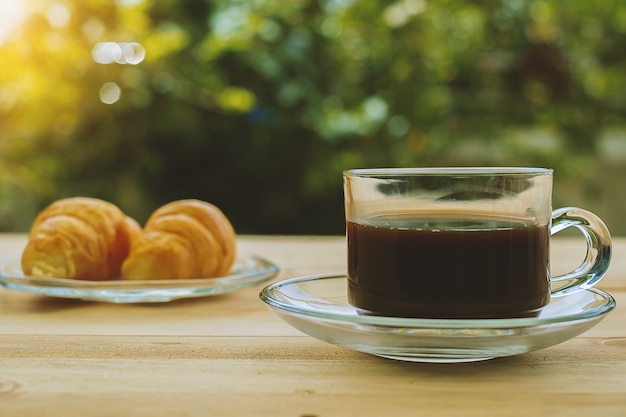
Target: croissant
[
  {"x": 182, "y": 239},
  {"x": 79, "y": 238}
]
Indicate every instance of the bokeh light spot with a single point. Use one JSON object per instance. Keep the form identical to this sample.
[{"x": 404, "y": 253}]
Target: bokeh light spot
[
  {"x": 110, "y": 93},
  {"x": 399, "y": 13},
  {"x": 58, "y": 15},
  {"x": 236, "y": 99},
  {"x": 375, "y": 108},
  {"x": 398, "y": 126},
  {"x": 93, "y": 29},
  {"x": 122, "y": 53},
  {"x": 106, "y": 52}
]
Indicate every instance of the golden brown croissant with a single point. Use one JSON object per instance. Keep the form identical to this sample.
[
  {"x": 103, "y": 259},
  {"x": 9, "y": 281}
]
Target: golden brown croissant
[
  {"x": 182, "y": 239},
  {"x": 79, "y": 238}
]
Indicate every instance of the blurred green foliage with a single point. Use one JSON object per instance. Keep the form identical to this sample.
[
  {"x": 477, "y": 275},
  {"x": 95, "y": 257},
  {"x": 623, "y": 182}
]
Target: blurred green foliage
[{"x": 258, "y": 105}]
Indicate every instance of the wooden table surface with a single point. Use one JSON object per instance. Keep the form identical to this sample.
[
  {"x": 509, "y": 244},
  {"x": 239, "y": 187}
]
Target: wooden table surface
[{"x": 229, "y": 355}]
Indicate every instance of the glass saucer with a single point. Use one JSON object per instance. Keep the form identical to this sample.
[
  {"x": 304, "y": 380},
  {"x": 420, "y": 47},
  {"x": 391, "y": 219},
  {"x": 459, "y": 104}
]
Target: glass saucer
[
  {"x": 317, "y": 306},
  {"x": 247, "y": 271}
]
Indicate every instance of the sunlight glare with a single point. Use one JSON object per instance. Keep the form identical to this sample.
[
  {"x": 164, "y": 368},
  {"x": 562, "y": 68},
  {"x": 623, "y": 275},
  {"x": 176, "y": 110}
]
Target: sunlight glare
[{"x": 12, "y": 15}]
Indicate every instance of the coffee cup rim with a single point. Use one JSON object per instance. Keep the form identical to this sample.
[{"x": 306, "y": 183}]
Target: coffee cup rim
[{"x": 444, "y": 171}]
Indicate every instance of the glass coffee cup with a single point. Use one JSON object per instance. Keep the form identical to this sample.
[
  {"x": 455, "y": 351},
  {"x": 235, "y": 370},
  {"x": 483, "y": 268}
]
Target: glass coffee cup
[{"x": 461, "y": 242}]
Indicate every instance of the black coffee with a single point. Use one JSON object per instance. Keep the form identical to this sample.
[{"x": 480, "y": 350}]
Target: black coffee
[{"x": 485, "y": 268}]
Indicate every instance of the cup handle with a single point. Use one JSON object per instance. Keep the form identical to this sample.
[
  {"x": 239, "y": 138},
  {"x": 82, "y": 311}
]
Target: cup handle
[{"x": 598, "y": 256}]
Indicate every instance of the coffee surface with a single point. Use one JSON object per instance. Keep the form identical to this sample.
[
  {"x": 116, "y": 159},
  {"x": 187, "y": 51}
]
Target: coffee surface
[{"x": 448, "y": 268}]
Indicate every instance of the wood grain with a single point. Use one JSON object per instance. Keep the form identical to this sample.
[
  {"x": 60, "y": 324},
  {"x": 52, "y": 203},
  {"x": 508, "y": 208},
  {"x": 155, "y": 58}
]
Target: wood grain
[{"x": 231, "y": 356}]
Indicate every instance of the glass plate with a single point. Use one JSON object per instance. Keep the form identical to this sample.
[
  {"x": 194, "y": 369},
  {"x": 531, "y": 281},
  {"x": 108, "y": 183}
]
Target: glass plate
[
  {"x": 317, "y": 306},
  {"x": 247, "y": 271}
]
